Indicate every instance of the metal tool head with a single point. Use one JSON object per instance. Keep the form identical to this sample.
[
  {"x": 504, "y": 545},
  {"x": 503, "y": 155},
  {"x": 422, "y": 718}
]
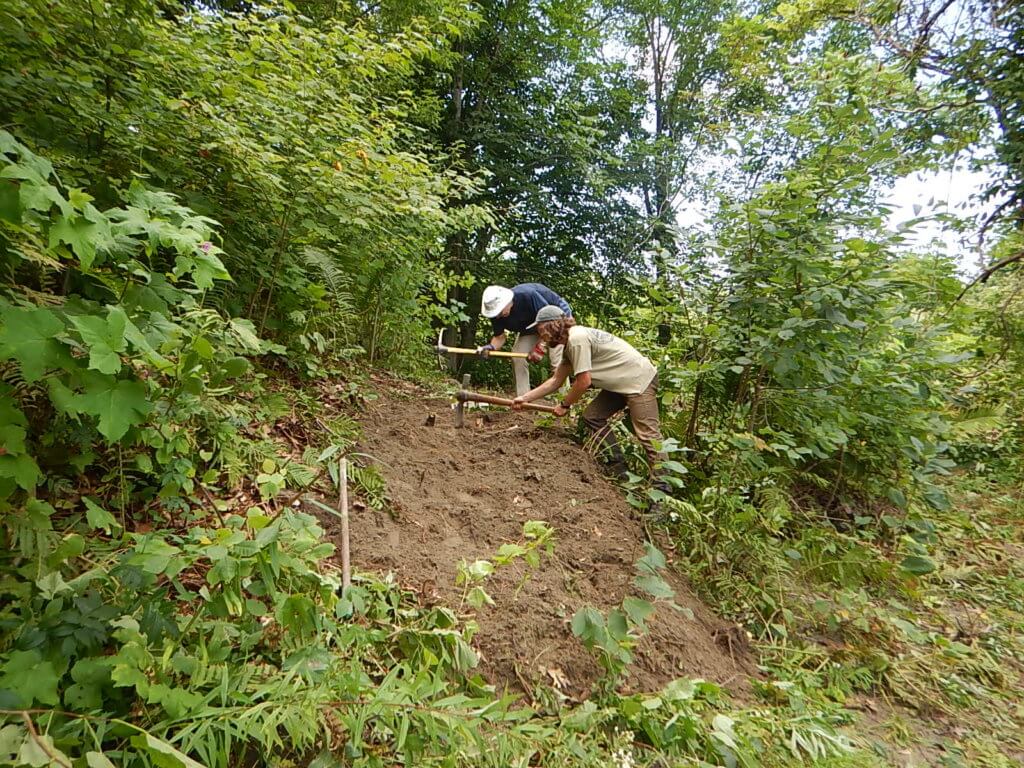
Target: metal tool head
[{"x": 460, "y": 402}]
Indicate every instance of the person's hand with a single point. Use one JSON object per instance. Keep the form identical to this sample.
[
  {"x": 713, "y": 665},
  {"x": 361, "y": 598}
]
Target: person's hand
[
  {"x": 561, "y": 410},
  {"x": 537, "y": 353},
  {"x": 517, "y": 404},
  {"x": 485, "y": 350}
]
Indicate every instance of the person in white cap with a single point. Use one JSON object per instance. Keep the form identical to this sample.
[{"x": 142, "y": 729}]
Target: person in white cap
[
  {"x": 626, "y": 378},
  {"x": 514, "y": 309}
]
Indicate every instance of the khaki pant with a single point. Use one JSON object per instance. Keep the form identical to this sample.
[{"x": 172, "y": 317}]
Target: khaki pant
[
  {"x": 525, "y": 342},
  {"x": 643, "y": 413}
]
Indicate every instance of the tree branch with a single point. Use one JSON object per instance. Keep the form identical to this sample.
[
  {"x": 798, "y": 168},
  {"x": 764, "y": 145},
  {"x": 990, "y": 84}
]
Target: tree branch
[
  {"x": 42, "y": 744},
  {"x": 984, "y": 276}
]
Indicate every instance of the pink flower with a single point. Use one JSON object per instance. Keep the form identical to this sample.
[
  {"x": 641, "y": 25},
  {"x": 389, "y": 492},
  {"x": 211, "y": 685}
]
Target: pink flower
[{"x": 205, "y": 246}]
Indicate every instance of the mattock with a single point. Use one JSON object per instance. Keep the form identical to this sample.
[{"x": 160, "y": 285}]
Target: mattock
[
  {"x": 464, "y": 396},
  {"x": 445, "y": 350}
]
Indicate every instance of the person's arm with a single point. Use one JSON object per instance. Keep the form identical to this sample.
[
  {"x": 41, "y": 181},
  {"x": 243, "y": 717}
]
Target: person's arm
[
  {"x": 579, "y": 385},
  {"x": 496, "y": 342},
  {"x": 551, "y": 385}
]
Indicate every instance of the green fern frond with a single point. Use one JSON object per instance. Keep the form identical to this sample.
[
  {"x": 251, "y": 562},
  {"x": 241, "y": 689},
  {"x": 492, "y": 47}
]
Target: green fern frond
[
  {"x": 336, "y": 281},
  {"x": 977, "y": 422}
]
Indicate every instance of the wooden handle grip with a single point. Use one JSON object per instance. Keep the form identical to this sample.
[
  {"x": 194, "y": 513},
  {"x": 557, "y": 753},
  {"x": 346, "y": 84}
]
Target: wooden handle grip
[
  {"x": 464, "y": 351},
  {"x": 464, "y": 396}
]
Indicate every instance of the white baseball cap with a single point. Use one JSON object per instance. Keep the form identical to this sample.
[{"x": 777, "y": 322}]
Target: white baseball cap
[{"x": 496, "y": 298}]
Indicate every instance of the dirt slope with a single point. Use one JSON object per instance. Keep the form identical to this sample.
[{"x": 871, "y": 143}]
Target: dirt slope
[{"x": 460, "y": 494}]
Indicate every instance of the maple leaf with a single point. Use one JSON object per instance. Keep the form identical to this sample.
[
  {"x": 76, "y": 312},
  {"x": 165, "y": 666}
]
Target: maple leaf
[
  {"x": 22, "y": 469},
  {"x": 79, "y": 233},
  {"x": 119, "y": 404},
  {"x": 27, "y": 335},
  {"x": 30, "y": 678},
  {"x": 104, "y": 337}
]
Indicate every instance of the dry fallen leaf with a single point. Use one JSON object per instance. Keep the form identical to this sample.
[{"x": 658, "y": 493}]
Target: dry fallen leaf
[{"x": 558, "y": 678}]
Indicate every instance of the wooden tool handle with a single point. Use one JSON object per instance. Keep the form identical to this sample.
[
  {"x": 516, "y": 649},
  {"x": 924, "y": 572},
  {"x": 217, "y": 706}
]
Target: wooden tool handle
[
  {"x": 464, "y": 351},
  {"x": 465, "y": 396}
]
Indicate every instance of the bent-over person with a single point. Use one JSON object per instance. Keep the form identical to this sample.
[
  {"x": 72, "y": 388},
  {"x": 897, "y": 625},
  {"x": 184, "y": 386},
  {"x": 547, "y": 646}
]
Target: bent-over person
[
  {"x": 626, "y": 378},
  {"x": 514, "y": 309}
]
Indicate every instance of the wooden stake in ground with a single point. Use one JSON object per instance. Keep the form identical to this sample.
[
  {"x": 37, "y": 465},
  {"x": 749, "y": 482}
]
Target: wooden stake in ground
[{"x": 346, "y": 568}]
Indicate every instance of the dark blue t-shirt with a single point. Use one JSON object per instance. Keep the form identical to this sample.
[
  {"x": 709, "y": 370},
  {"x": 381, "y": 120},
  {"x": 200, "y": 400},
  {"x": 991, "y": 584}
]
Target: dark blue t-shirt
[{"x": 527, "y": 299}]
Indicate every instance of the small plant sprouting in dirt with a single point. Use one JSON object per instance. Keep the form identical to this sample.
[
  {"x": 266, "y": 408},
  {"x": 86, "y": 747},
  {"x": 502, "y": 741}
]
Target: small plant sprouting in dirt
[
  {"x": 366, "y": 480},
  {"x": 613, "y": 637},
  {"x": 538, "y": 538},
  {"x": 371, "y": 485}
]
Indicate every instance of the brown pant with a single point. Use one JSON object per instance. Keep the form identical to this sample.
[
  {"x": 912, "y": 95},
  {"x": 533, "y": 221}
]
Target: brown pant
[{"x": 643, "y": 413}]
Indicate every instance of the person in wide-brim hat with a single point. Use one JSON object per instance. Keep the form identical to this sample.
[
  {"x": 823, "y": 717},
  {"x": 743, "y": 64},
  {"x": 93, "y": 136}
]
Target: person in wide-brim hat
[{"x": 514, "y": 309}]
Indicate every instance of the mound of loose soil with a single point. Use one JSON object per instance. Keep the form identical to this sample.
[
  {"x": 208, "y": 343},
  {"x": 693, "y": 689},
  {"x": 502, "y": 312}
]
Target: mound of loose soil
[{"x": 459, "y": 494}]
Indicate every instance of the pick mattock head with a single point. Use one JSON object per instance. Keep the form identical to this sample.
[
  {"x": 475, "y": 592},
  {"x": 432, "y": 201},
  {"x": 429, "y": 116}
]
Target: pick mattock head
[{"x": 460, "y": 403}]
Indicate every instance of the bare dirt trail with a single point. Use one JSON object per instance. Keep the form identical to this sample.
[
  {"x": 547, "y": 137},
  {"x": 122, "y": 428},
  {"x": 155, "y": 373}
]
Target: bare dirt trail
[{"x": 460, "y": 494}]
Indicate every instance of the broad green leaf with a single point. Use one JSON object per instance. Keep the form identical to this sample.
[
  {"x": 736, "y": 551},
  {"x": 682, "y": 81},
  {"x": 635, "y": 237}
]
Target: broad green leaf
[
  {"x": 154, "y": 555},
  {"x": 680, "y": 689},
  {"x": 638, "y": 610},
  {"x": 22, "y": 469},
  {"x": 11, "y": 738},
  {"x": 128, "y": 676},
  {"x": 177, "y": 702},
  {"x": 98, "y": 760},
  {"x": 10, "y": 202},
  {"x": 119, "y": 404},
  {"x": 27, "y": 335},
  {"x": 723, "y": 730},
  {"x": 162, "y": 753},
  {"x": 9, "y": 411},
  {"x": 51, "y": 585},
  {"x": 104, "y": 337},
  {"x": 654, "y": 586},
  {"x": 80, "y": 697},
  {"x": 39, "y": 513},
  {"x": 30, "y": 678},
  {"x": 39, "y": 751},
  {"x": 79, "y": 233},
  {"x": 588, "y": 624},
  {"x": 617, "y": 626},
  {"x": 652, "y": 561},
  {"x": 917, "y": 565},
  {"x": 296, "y": 614},
  {"x": 896, "y": 496},
  {"x": 42, "y": 197},
  {"x": 12, "y": 439},
  {"x": 97, "y": 517},
  {"x": 477, "y": 598},
  {"x": 234, "y": 367},
  {"x": 536, "y": 529},
  {"x": 675, "y": 466},
  {"x": 480, "y": 569}
]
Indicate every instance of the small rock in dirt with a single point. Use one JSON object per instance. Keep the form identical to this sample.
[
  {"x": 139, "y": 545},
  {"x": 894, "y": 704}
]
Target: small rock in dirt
[{"x": 430, "y": 420}]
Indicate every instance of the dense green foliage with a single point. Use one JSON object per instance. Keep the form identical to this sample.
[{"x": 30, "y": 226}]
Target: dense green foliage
[{"x": 207, "y": 207}]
